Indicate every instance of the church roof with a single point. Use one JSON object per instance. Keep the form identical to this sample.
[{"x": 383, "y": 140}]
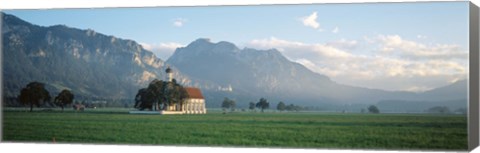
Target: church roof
[{"x": 194, "y": 92}]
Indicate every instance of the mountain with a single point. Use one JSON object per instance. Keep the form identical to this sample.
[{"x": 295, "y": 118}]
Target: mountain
[
  {"x": 251, "y": 73},
  {"x": 399, "y": 106},
  {"x": 255, "y": 73},
  {"x": 90, "y": 64},
  {"x": 453, "y": 96},
  {"x": 94, "y": 65},
  {"x": 453, "y": 91}
]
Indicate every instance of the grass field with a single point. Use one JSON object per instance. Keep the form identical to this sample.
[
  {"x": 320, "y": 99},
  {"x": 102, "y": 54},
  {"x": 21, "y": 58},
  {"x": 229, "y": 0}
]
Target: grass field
[{"x": 287, "y": 130}]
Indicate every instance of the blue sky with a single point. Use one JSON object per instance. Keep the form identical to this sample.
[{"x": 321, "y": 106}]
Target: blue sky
[
  {"x": 244, "y": 23},
  {"x": 418, "y": 46}
]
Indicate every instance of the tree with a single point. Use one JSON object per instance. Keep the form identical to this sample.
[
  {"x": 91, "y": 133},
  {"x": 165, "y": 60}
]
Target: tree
[
  {"x": 251, "y": 106},
  {"x": 143, "y": 99},
  {"x": 263, "y": 104},
  {"x": 373, "y": 109},
  {"x": 160, "y": 93},
  {"x": 156, "y": 93},
  {"x": 228, "y": 104},
  {"x": 34, "y": 94},
  {"x": 150, "y": 97},
  {"x": 225, "y": 104},
  {"x": 293, "y": 107},
  {"x": 64, "y": 98},
  {"x": 175, "y": 94},
  {"x": 281, "y": 106}
]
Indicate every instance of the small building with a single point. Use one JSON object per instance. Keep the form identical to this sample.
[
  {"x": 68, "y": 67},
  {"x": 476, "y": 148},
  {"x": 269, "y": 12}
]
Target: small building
[{"x": 78, "y": 107}]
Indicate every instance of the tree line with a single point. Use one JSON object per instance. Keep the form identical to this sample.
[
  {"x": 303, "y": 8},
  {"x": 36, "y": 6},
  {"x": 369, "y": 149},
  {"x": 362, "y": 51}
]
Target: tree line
[
  {"x": 157, "y": 96},
  {"x": 262, "y": 104},
  {"x": 35, "y": 94}
]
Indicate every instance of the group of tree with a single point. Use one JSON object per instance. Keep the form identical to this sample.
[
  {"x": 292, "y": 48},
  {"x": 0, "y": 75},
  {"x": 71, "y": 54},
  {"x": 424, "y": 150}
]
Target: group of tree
[
  {"x": 35, "y": 94},
  {"x": 439, "y": 110},
  {"x": 159, "y": 95},
  {"x": 282, "y": 107},
  {"x": 262, "y": 104},
  {"x": 461, "y": 111},
  {"x": 373, "y": 109},
  {"x": 228, "y": 104}
]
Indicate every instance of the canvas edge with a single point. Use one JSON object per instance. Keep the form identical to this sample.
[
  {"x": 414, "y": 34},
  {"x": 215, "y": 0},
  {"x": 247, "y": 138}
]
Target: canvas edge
[
  {"x": 473, "y": 95},
  {"x": 1, "y": 77}
]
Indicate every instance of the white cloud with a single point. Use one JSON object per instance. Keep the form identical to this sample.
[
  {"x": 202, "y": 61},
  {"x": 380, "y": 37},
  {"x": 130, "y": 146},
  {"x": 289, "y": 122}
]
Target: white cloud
[
  {"x": 299, "y": 49},
  {"x": 421, "y": 37},
  {"x": 179, "y": 22},
  {"x": 335, "y": 30},
  {"x": 311, "y": 21},
  {"x": 411, "y": 69},
  {"x": 394, "y": 44},
  {"x": 162, "y": 50},
  {"x": 307, "y": 63},
  {"x": 344, "y": 44}
]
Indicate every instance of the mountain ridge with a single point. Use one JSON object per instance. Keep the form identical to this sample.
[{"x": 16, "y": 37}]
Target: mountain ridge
[
  {"x": 266, "y": 73},
  {"x": 52, "y": 54}
]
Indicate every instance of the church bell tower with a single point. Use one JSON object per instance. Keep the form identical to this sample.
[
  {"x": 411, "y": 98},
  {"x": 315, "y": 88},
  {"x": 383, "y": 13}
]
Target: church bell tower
[{"x": 169, "y": 74}]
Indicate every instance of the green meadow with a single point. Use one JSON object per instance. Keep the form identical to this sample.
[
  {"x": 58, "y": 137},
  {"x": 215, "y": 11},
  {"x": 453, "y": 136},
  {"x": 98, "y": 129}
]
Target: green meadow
[{"x": 240, "y": 129}]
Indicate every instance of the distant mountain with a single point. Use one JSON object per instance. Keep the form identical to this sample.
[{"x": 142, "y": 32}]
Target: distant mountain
[
  {"x": 453, "y": 91},
  {"x": 453, "y": 96},
  {"x": 88, "y": 63},
  {"x": 267, "y": 73},
  {"x": 248, "y": 71},
  {"x": 399, "y": 106}
]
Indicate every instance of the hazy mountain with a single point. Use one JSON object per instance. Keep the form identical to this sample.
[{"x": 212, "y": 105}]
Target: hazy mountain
[
  {"x": 456, "y": 90},
  {"x": 419, "y": 106},
  {"x": 89, "y": 63},
  {"x": 453, "y": 96},
  {"x": 267, "y": 73}
]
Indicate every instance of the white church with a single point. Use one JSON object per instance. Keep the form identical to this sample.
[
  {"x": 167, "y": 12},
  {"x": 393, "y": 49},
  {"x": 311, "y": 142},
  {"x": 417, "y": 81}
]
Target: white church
[{"x": 193, "y": 104}]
